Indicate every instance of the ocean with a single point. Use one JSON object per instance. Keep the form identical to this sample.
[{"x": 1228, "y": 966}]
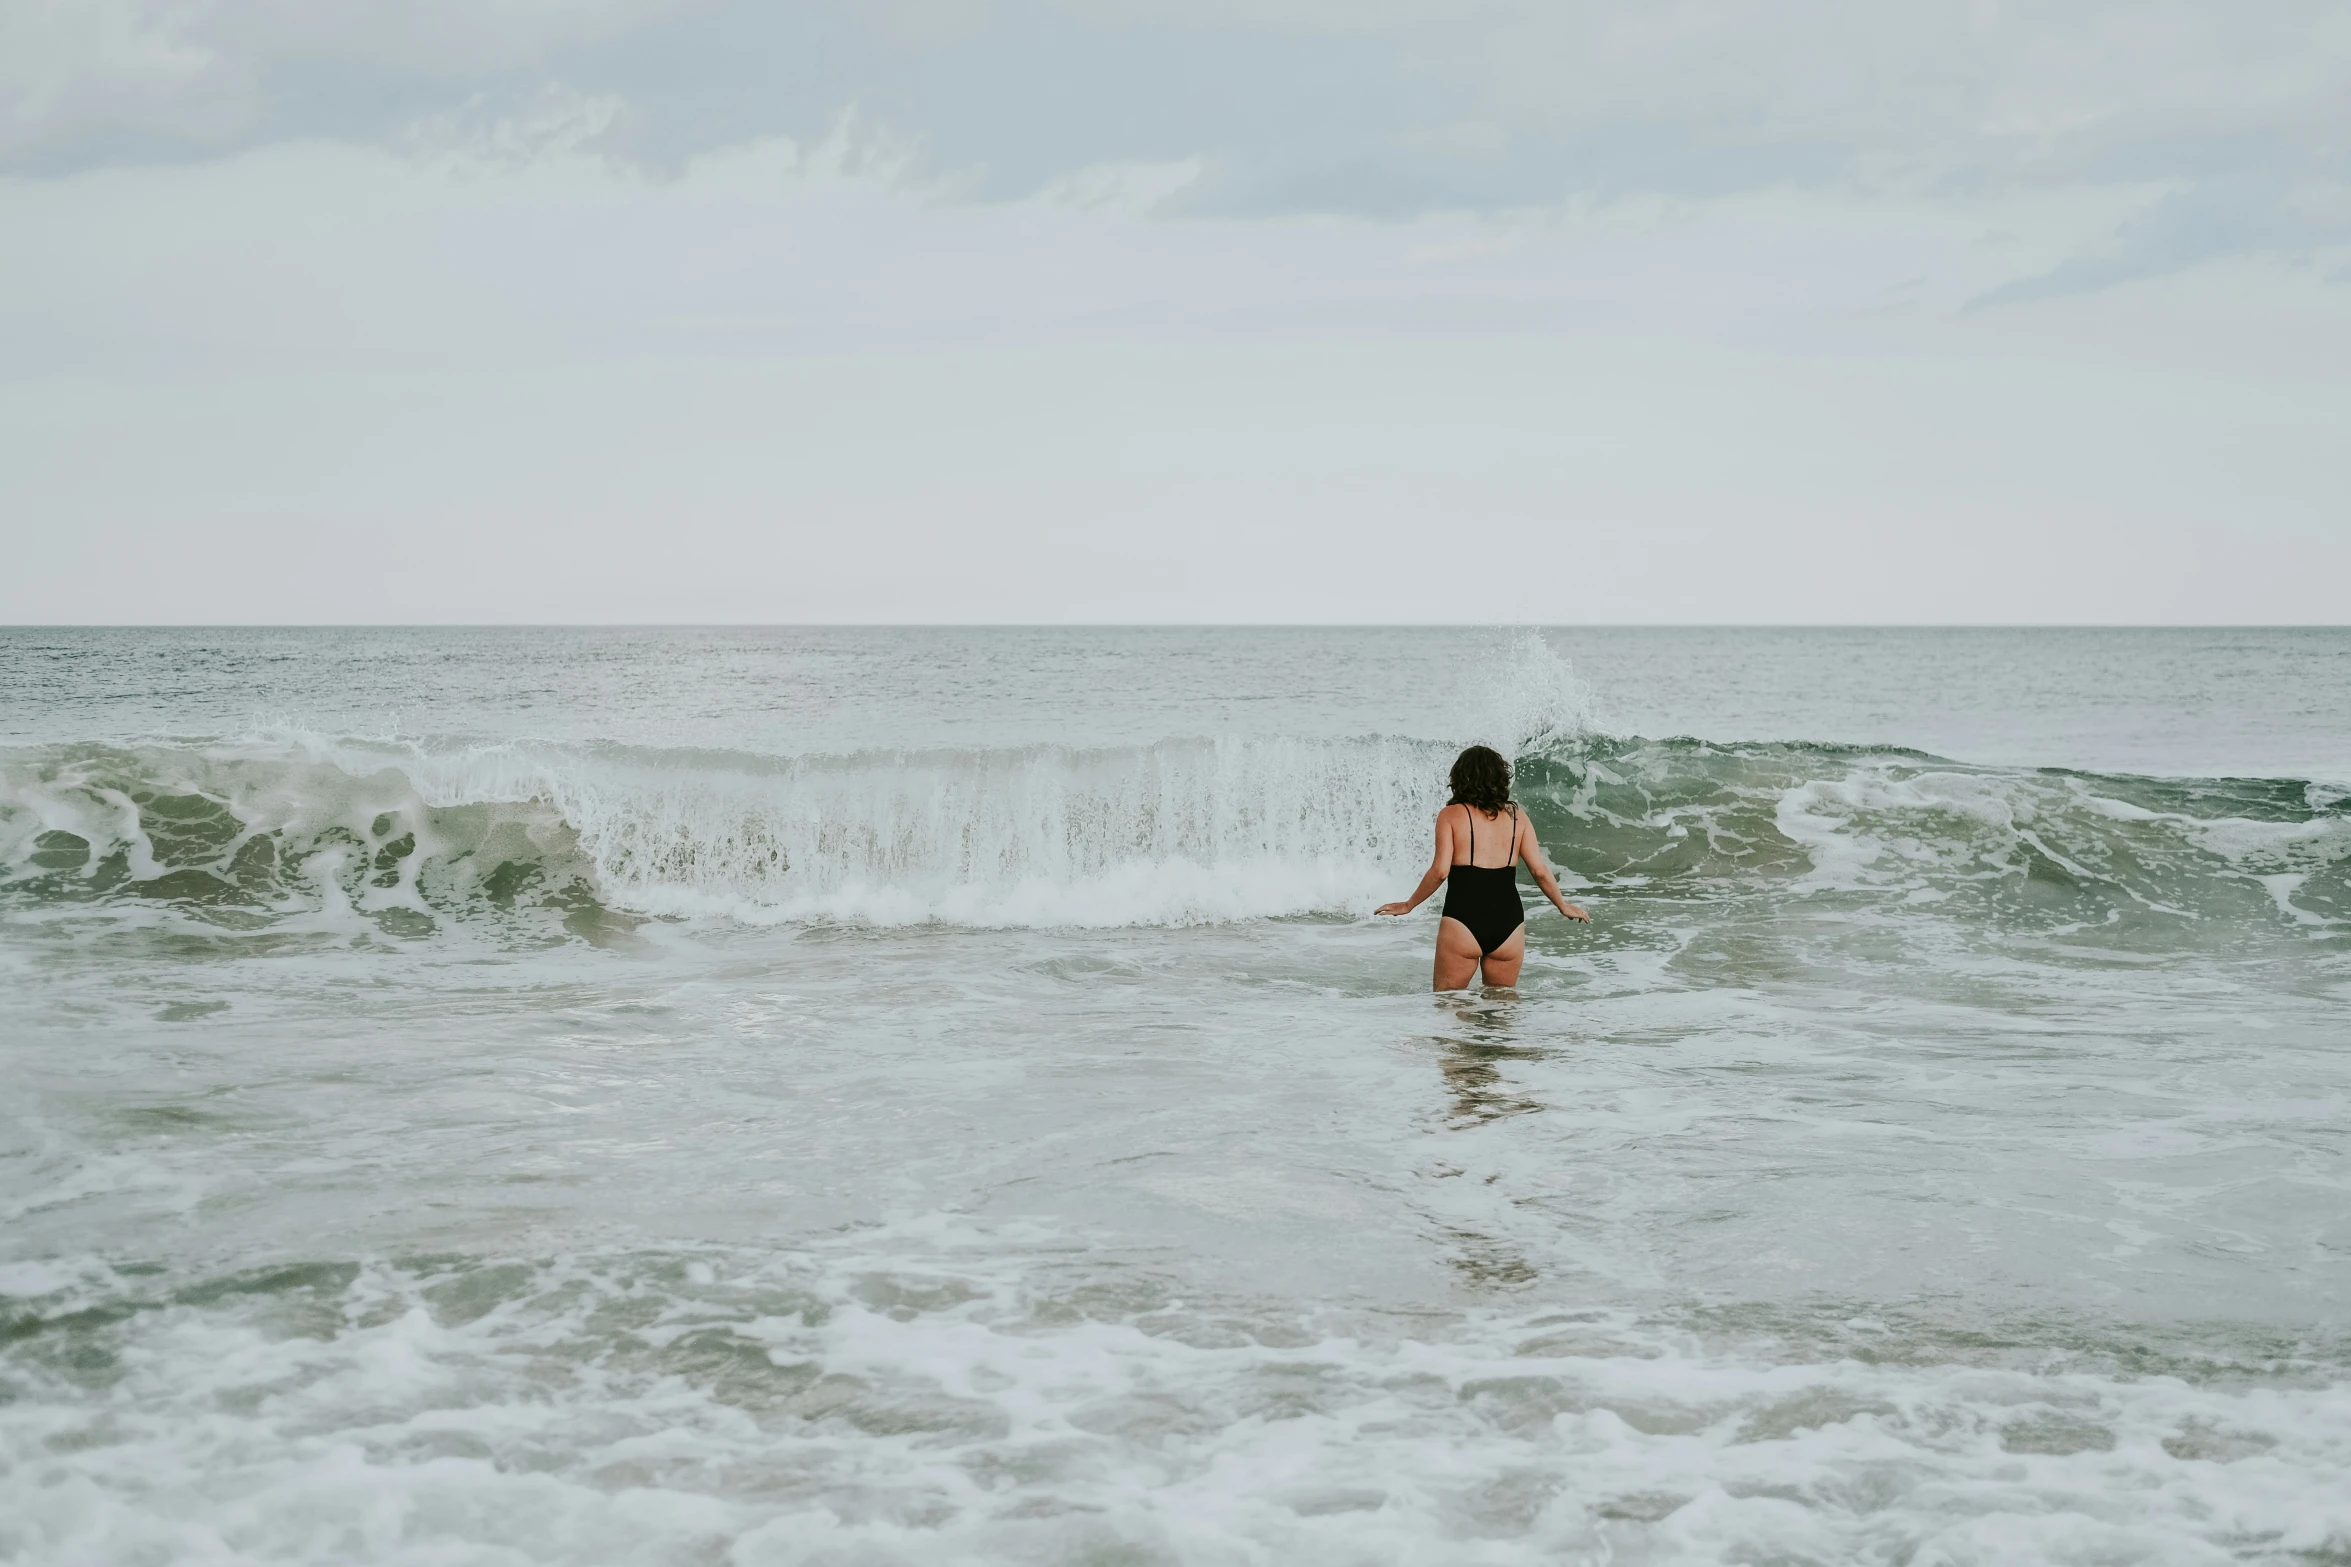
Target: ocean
[{"x": 939, "y": 1096}]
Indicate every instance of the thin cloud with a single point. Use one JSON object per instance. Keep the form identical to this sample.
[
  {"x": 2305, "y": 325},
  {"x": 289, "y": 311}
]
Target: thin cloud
[{"x": 2184, "y": 228}]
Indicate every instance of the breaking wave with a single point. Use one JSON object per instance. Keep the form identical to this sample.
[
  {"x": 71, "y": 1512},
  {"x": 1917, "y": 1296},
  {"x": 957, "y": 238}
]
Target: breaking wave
[{"x": 580, "y": 841}]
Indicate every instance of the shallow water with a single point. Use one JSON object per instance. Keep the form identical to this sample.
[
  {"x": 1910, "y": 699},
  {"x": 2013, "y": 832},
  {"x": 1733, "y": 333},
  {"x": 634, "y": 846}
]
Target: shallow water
[{"x": 874, "y": 1096}]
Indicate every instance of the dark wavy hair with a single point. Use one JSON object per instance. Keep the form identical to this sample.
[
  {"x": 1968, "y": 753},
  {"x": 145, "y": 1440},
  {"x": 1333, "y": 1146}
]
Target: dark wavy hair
[{"x": 1481, "y": 779}]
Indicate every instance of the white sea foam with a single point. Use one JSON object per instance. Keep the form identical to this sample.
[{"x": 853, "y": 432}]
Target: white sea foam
[
  {"x": 1534, "y": 703},
  {"x": 1888, "y": 824},
  {"x": 1868, "y": 824},
  {"x": 920, "y": 1394},
  {"x": 1176, "y": 832},
  {"x": 1165, "y": 834},
  {"x": 1180, "y": 832}
]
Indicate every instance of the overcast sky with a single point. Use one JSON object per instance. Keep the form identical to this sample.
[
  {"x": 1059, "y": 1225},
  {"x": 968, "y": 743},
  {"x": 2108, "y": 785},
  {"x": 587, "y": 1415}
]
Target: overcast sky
[{"x": 1114, "y": 310}]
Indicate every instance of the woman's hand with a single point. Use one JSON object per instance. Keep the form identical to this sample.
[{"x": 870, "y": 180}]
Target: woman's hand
[
  {"x": 1532, "y": 847},
  {"x": 1433, "y": 877}
]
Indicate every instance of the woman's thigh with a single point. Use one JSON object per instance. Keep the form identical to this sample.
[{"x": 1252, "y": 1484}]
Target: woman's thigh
[
  {"x": 1457, "y": 956},
  {"x": 1503, "y": 964}
]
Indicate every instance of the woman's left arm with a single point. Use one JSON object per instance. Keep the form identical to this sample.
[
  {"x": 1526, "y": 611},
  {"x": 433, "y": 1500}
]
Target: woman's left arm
[{"x": 1532, "y": 851}]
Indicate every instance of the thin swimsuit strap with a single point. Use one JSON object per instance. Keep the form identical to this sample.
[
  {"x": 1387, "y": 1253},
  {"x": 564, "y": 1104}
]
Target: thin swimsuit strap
[{"x": 1471, "y": 812}]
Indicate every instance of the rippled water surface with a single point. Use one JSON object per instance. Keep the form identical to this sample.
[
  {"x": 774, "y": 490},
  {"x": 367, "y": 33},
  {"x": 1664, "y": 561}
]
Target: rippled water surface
[{"x": 940, "y": 1097}]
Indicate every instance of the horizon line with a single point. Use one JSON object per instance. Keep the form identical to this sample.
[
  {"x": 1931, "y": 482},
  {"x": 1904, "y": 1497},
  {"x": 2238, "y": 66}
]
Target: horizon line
[{"x": 1171, "y": 625}]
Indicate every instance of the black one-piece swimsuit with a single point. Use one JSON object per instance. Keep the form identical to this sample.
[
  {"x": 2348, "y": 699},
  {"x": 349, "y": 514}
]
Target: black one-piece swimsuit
[{"x": 1485, "y": 897}]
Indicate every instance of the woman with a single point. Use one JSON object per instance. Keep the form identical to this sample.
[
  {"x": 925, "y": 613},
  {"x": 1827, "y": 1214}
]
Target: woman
[{"x": 1478, "y": 850}]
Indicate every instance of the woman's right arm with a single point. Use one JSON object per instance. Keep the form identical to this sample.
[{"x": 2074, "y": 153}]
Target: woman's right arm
[{"x": 1439, "y": 864}]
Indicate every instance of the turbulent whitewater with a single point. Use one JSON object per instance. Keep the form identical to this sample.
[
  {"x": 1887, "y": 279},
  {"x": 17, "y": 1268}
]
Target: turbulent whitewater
[
  {"x": 926, "y": 1097},
  {"x": 1184, "y": 831},
  {"x": 1168, "y": 833}
]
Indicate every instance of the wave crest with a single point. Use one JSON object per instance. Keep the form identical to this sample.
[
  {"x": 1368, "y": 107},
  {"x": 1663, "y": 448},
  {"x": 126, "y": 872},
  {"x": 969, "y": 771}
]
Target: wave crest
[
  {"x": 1178, "y": 832},
  {"x": 556, "y": 842}
]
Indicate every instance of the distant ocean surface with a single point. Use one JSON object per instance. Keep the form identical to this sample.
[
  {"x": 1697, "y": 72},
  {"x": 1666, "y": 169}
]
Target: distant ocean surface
[{"x": 862, "y": 1097}]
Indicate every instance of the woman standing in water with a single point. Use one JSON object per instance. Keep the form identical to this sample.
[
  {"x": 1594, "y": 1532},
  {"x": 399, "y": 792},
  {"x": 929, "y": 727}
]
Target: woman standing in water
[{"x": 1478, "y": 850}]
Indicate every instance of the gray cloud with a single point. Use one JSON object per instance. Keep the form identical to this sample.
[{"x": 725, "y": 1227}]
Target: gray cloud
[
  {"x": 589, "y": 302},
  {"x": 1380, "y": 110},
  {"x": 2212, "y": 218},
  {"x": 98, "y": 81}
]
